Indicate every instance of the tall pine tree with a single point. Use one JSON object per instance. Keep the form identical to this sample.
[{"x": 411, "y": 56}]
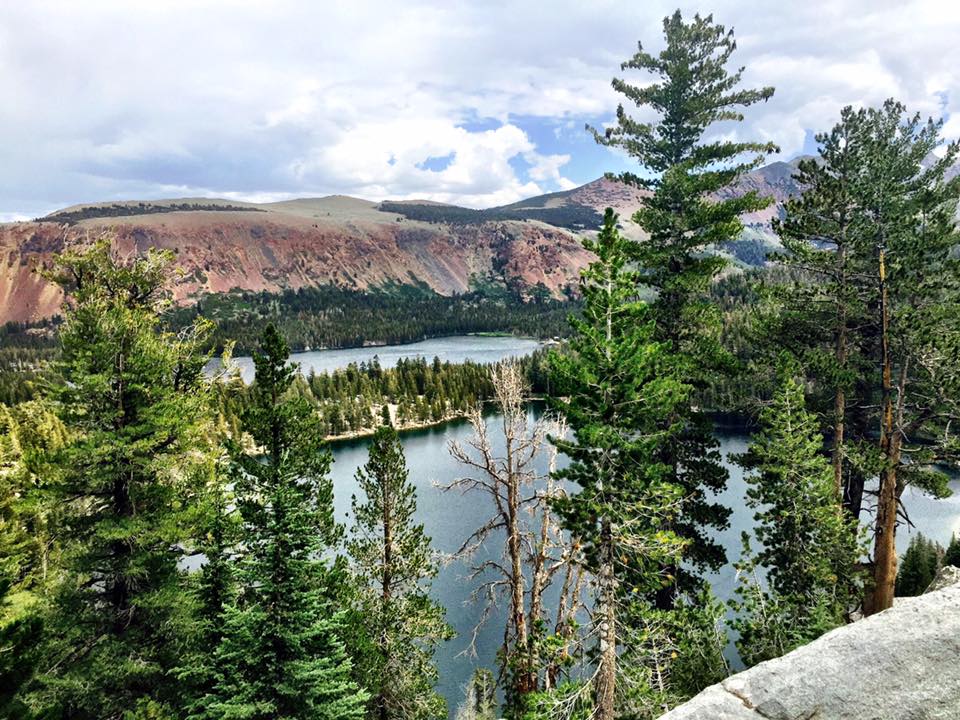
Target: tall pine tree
[
  {"x": 282, "y": 656},
  {"x": 694, "y": 206},
  {"x": 808, "y": 544},
  {"x": 874, "y": 312},
  {"x": 617, "y": 389},
  {"x": 132, "y": 396},
  {"x": 823, "y": 314},
  {"x": 392, "y": 565}
]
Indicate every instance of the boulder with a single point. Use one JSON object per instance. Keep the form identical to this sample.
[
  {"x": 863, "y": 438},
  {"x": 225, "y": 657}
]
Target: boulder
[
  {"x": 901, "y": 664},
  {"x": 948, "y": 575}
]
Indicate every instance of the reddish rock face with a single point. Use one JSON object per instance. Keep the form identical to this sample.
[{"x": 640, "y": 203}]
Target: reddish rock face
[
  {"x": 274, "y": 250},
  {"x": 340, "y": 241}
]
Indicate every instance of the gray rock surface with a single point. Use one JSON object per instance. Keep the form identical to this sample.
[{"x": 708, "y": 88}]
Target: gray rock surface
[
  {"x": 948, "y": 575},
  {"x": 901, "y": 664}
]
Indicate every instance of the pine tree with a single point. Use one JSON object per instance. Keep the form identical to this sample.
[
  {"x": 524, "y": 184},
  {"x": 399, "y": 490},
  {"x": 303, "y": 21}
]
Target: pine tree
[
  {"x": 133, "y": 399},
  {"x": 910, "y": 232},
  {"x": 809, "y": 545},
  {"x": 282, "y": 656},
  {"x": 213, "y": 591},
  {"x": 686, "y": 171},
  {"x": 392, "y": 565},
  {"x": 19, "y": 638},
  {"x": 919, "y": 567},
  {"x": 952, "y": 555},
  {"x": 820, "y": 236},
  {"x": 616, "y": 388}
]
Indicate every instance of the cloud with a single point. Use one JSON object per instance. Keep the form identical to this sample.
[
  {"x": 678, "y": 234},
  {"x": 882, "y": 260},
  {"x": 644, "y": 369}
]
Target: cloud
[{"x": 248, "y": 99}]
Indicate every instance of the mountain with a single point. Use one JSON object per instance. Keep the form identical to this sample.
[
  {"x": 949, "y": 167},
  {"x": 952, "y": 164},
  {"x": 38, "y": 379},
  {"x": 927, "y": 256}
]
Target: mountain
[{"x": 223, "y": 245}]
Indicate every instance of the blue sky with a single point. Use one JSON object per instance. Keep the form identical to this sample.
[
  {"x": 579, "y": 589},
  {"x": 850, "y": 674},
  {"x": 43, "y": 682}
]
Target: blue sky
[{"x": 478, "y": 103}]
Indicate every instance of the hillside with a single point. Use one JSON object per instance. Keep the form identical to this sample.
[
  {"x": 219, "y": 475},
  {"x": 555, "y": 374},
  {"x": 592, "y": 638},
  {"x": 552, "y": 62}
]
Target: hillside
[{"x": 337, "y": 240}]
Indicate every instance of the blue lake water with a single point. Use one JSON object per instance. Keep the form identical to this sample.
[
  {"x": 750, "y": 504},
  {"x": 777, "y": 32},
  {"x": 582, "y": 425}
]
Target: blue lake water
[
  {"x": 457, "y": 349},
  {"x": 449, "y": 517}
]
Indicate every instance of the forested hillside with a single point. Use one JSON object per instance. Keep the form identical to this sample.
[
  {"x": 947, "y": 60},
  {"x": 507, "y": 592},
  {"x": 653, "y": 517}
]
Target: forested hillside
[{"x": 169, "y": 543}]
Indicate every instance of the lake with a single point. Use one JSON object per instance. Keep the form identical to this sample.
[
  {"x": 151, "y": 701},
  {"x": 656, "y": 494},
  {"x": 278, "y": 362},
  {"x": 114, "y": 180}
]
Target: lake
[
  {"x": 449, "y": 517},
  {"x": 457, "y": 349}
]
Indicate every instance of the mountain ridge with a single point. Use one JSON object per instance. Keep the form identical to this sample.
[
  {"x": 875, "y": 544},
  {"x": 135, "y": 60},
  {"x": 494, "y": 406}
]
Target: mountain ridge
[{"x": 223, "y": 245}]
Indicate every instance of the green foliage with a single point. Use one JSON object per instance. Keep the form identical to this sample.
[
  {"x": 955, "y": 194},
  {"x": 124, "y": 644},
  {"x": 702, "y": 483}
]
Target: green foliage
[
  {"x": 72, "y": 217},
  {"x": 919, "y": 566},
  {"x": 952, "y": 554},
  {"x": 690, "y": 210},
  {"x": 616, "y": 389},
  {"x": 29, "y": 432},
  {"x": 131, "y": 397},
  {"x": 331, "y": 317},
  {"x": 392, "y": 565},
  {"x": 211, "y": 590},
  {"x": 615, "y": 386},
  {"x": 281, "y": 655},
  {"x": 566, "y": 215},
  {"x": 358, "y": 398},
  {"x": 869, "y": 189},
  {"x": 809, "y": 546},
  {"x": 481, "y": 697},
  {"x": 20, "y": 635}
]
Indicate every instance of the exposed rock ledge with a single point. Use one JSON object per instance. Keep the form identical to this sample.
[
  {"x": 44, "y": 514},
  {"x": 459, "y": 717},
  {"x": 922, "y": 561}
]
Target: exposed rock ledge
[{"x": 901, "y": 664}]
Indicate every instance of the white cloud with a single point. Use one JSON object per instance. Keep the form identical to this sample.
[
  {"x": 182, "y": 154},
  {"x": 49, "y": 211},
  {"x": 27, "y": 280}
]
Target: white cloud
[{"x": 247, "y": 99}]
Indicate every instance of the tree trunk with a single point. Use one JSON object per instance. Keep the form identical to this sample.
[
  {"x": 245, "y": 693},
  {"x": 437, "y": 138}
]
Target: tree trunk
[
  {"x": 884, "y": 550},
  {"x": 607, "y": 663},
  {"x": 386, "y": 585},
  {"x": 840, "y": 400}
]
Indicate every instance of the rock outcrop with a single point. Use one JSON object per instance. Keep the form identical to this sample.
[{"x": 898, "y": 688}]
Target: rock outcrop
[
  {"x": 901, "y": 664},
  {"x": 330, "y": 241}
]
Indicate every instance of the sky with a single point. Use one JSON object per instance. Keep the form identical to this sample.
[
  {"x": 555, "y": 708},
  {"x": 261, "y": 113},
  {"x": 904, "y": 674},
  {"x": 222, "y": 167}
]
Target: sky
[{"x": 476, "y": 103}]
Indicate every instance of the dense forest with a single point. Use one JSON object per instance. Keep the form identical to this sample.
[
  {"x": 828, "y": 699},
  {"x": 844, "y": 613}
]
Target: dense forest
[
  {"x": 169, "y": 547},
  {"x": 570, "y": 216},
  {"x": 363, "y": 396},
  {"x": 315, "y": 318},
  {"x": 72, "y": 217},
  {"x": 330, "y": 317}
]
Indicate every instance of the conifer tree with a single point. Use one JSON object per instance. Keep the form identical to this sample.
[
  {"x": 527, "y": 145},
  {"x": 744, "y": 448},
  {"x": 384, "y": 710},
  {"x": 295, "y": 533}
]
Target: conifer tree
[
  {"x": 132, "y": 397},
  {"x": 392, "y": 565},
  {"x": 910, "y": 231},
  {"x": 822, "y": 314},
  {"x": 918, "y": 567},
  {"x": 693, "y": 206},
  {"x": 875, "y": 233},
  {"x": 616, "y": 389},
  {"x": 282, "y": 656},
  {"x": 19, "y": 639},
  {"x": 213, "y": 592},
  {"x": 952, "y": 555},
  {"x": 808, "y": 544}
]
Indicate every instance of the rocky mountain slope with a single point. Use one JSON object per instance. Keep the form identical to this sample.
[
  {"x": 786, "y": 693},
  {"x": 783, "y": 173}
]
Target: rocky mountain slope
[{"x": 223, "y": 245}]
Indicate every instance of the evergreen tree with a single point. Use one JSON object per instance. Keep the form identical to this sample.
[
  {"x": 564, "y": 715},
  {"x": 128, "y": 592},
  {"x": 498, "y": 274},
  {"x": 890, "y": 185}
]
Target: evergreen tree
[
  {"x": 19, "y": 638},
  {"x": 616, "y": 388},
  {"x": 29, "y": 433},
  {"x": 282, "y": 656},
  {"x": 213, "y": 592},
  {"x": 910, "y": 232},
  {"x": 919, "y": 567},
  {"x": 808, "y": 545},
  {"x": 132, "y": 397},
  {"x": 952, "y": 555},
  {"x": 392, "y": 565},
  {"x": 821, "y": 316},
  {"x": 686, "y": 170}
]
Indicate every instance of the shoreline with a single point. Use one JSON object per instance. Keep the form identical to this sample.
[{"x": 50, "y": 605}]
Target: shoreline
[{"x": 378, "y": 344}]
